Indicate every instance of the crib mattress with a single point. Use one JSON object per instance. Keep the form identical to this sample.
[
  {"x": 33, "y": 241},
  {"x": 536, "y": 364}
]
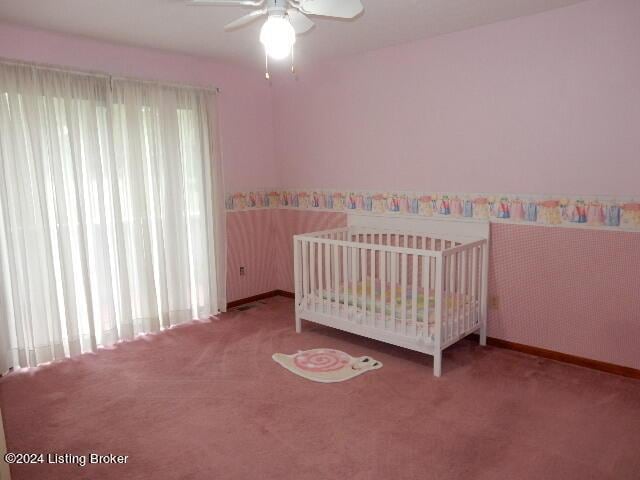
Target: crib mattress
[{"x": 458, "y": 306}]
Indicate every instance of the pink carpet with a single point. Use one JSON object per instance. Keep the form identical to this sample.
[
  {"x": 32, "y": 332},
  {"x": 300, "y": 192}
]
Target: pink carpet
[{"x": 205, "y": 401}]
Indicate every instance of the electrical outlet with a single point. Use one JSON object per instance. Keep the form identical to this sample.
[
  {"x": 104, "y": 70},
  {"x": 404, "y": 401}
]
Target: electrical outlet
[
  {"x": 494, "y": 302},
  {"x": 242, "y": 271}
]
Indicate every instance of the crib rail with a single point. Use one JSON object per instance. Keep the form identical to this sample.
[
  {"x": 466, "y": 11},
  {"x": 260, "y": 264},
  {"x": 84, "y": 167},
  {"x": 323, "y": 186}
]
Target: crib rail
[
  {"x": 415, "y": 286},
  {"x": 389, "y": 238}
]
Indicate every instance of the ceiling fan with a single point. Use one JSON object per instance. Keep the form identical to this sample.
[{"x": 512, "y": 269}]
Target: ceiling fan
[{"x": 285, "y": 19}]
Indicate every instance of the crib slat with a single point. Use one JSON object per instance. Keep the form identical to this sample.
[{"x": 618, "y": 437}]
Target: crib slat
[
  {"x": 440, "y": 286},
  {"x": 445, "y": 292},
  {"x": 388, "y": 259},
  {"x": 476, "y": 296},
  {"x": 467, "y": 297},
  {"x": 481, "y": 282},
  {"x": 305, "y": 273},
  {"x": 398, "y": 273},
  {"x": 354, "y": 279},
  {"x": 454, "y": 305},
  {"x": 414, "y": 293},
  {"x": 470, "y": 296},
  {"x": 297, "y": 274},
  {"x": 456, "y": 297},
  {"x": 373, "y": 286},
  {"x": 345, "y": 281},
  {"x": 320, "y": 267},
  {"x": 472, "y": 292},
  {"x": 459, "y": 303},
  {"x": 478, "y": 267},
  {"x": 394, "y": 281},
  {"x": 335, "y": 291},
  {"x": 454, "y": 293},
  {"x": 404, "y": 274},
  {"x": 312, "y": 273},
  {"x": 363, "y": 282},
  {"x": 427, "y": 295},
  {"x": 451, "y": 296},
  {"x": 463, "y": 289},
  {"x": 343, "y": 269},
  {"x": 383, "y": 286},
  {"x": 327, "y": 276},
  {"x": 431, "y": 270},
  {"x": 446, "y": 316}
]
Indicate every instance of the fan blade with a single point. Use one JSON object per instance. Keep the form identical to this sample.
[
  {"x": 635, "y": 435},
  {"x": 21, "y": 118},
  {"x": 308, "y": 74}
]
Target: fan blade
[
  {"x": 231, "y": 3},
  {"x": 332, "y": 8},
  {"x": 245, "y": 19},
  {"x": 299, "y": 22}
]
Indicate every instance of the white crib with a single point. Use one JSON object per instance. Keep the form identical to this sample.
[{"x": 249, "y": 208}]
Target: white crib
[{"x": 418, "y": 283}]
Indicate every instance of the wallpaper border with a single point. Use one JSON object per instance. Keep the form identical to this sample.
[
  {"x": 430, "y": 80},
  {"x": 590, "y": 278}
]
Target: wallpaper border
[{"x": 600, "y": 212}]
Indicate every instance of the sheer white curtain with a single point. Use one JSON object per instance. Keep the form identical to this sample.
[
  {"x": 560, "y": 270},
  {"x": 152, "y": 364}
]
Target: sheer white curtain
[{"x": 109, "y": 211}]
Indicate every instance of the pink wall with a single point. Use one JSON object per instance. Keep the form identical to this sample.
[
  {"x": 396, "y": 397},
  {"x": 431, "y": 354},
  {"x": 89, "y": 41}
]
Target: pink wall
[
  {"x": 244, "y": 104},
  {"x": 548, "y": 103},
  {"x": 568, "y": 290}
]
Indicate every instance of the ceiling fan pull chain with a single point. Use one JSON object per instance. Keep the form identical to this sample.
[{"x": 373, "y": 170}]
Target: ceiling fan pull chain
[
  {"x": 266, "y": 66},
  {"x": 293, "y": 66}
]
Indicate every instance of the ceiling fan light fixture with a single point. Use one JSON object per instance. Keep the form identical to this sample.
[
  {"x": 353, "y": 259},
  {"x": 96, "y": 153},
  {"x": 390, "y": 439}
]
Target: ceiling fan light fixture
[{"x": 278, "y": 36}]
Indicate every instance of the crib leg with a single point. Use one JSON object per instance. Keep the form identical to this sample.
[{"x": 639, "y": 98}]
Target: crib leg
[
  {"x": 483, "y": 335},
  {"x": 298, "y": 324},
  {"x": 437, "y": 364}
]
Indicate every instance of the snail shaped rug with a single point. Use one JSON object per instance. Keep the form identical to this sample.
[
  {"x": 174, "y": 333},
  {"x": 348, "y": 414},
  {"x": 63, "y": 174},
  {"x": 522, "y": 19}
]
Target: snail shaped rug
[{"x": 326, "y": 365}]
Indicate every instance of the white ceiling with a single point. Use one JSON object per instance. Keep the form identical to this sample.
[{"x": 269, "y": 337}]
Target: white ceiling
[{"x": 171, "y": 25}]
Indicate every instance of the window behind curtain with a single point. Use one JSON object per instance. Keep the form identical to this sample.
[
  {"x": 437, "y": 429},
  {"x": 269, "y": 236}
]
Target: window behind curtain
[{"x": 106, "y": 227}]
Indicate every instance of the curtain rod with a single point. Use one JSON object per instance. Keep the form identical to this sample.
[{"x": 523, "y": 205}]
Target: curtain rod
[{"x": 99, "y": 74}]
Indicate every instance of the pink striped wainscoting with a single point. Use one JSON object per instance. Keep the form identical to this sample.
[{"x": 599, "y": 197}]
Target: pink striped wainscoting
[
  {"x": 564, "y": 289},
  {"x": 569, "y": 290},
  {"x": 251, "y": 244},
  {"x": 293, "y": 222}
]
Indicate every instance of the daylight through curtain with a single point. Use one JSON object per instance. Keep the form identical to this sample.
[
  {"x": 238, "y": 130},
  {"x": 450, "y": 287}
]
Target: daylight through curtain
[{"x": 109, "y": 211}]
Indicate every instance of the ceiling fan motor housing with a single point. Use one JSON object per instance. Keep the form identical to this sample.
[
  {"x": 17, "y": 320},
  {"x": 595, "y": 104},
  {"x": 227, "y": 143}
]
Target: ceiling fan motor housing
[{"x": 277, "y": 7}]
